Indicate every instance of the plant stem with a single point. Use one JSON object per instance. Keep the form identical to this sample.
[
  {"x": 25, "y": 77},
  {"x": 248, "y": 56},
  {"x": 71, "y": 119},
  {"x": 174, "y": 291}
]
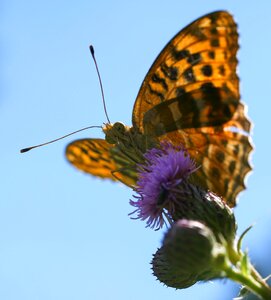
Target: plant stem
[
  {"x": 259, "y": 289},
  {"x": 252, "y": 281}
]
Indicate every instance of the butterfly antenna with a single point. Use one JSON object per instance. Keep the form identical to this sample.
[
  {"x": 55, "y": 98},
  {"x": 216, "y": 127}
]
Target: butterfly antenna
[
  {"x": 43, "y": 144},
  {"x": 100, "y": 80}
]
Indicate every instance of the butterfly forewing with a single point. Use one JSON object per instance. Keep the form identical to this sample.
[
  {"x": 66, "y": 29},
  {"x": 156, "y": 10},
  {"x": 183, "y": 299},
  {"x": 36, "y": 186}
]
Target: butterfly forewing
[{"x": 202, "y": 53}]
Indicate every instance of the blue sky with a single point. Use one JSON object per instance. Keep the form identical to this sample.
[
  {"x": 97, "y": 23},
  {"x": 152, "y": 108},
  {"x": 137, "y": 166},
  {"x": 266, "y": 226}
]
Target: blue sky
[{"x": 66, "y": 235}]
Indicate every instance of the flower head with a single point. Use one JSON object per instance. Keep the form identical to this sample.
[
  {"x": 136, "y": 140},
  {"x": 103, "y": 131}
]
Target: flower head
[{"x": 161, "y": 178}]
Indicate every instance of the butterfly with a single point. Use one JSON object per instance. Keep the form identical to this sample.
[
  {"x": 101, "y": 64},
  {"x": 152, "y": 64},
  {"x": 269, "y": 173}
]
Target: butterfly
[{"x": 190, "y": 97}]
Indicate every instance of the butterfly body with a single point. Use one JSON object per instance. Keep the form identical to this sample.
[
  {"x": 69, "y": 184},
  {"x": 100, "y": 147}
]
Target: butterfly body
[
  {"x": 125, "y": 138},
  {"x": 189, "y": 97}
]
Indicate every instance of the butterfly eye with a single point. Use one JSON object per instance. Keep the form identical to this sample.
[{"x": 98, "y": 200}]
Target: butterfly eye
[
  {"x": 119, "y": 127},
  {"x": 116, "y": 132}
]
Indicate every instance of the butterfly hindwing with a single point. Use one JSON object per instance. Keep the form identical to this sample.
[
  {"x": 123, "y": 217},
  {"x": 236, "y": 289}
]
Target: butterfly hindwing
[{"x": 222, "y": 158}]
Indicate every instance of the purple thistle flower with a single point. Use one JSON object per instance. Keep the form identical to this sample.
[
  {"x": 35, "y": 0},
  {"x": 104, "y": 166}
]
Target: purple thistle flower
[{"x": 160, "y": 181}]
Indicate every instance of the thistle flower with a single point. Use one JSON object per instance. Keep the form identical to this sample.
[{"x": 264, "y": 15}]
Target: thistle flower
[
  {"x": 160, "y": 184},
  {"x": 165, "y": 193}
]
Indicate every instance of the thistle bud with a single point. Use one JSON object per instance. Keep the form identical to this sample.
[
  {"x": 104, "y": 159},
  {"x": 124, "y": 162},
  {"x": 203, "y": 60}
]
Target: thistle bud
[{"x": 189, "y": 254}]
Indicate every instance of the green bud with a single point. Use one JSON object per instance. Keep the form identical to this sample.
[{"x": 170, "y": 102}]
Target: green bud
[{"x": 189, "y": 254}]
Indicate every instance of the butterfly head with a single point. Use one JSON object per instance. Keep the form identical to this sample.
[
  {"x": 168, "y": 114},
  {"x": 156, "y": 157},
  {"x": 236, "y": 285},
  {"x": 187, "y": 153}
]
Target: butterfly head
[{"x": 115, "y": 132}]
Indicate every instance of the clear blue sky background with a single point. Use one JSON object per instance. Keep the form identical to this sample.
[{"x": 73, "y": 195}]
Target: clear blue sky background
[{"x": 66, "y": 235}]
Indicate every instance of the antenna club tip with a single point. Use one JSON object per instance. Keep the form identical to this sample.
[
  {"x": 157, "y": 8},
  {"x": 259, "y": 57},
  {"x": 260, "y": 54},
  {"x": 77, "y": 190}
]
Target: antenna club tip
[
  {"x": 24, "y": 150},
  {"x": 91, "y": 48}
]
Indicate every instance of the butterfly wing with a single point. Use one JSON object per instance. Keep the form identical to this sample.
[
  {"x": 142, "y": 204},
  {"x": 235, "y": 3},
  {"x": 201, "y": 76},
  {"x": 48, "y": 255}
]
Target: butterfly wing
[
  {"x": 99, "y": 158},
  {"x": 201, "y": 55},
  {"x": 190, "y": 96},
  {"x": 221, "y": 152}
]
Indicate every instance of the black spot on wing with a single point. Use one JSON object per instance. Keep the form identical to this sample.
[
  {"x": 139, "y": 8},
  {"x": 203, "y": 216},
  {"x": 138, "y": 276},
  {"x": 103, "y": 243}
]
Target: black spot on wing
[
  {"x": 83, "y": 150},
  {"x": 170, "y": 72},
  {"x": 155, "y": 78},
  {"x": 211, "y": 54},
  {"x": 194, "y": 59},
  {"x": 106, "y": 167},
  {"x": 213, "y": 31},
  {"x": 214, "y": 42},
  {"x": 213, "y": 18},
  {"x": 189, "y": 75},
  {"x": 178, "y": 55},
  {"x": 207, "y": 70},
  {"x": 232, "y": 166},
  {"x": 220, "y": 156},
  {"x": 222, "y": 70}
]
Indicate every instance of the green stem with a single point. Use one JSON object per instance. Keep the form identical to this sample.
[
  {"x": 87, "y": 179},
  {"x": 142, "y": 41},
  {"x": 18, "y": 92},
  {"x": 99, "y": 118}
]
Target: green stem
[
  {"x": 254, "y": 286},
  {"x": 252, "y": 281}
]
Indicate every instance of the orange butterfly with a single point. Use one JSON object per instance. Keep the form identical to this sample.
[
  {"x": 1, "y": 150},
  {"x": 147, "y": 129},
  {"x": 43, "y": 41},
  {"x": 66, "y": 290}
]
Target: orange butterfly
[{"x": 190, "y": 96}]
